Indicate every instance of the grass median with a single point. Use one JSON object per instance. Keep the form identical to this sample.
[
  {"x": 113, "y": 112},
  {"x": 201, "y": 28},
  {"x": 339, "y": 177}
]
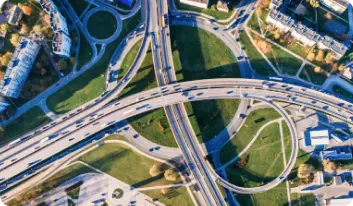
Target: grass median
[
  {"x": 198, "y": 54},
  {"x": 254, "y": 121},
  {"x": 212, "y": 11},
  {"x": 91, "y": 83},
  {"x": 97, "y": 20},
  {"x": 125, "y": 164},
  {"x": 262, "y": 162}
]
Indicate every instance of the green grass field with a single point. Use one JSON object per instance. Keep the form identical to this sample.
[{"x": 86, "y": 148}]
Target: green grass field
[
  {"x": 265, "y": 160},
  {"x": 124, "y": 164},
  {"x": 210, "y": 11},
  {"x": 198, "y": 54},
  {"x": 85, "y": 52},
  {"x": 175, "y": 196},
  {"x": 53, "y": 182},
  {"x": 253, "y": 123},
  {"x": 155, "y": 127},
  {"x": 25, "y": 123},
  {"x": 309, "y": 75},
  {"x": 91, "y": 83},
  {"x": 285, "y": 62},
  {"x": 143, "y": 80},
  {"x": 208, "y": 118},
  {"x": 95, "y": 22},
  {"x": 274, "y": 197},
  {"x": 79, "y": 6},
  {"x": 129, "y": 60},
  {"x": 257, "y": 62}
]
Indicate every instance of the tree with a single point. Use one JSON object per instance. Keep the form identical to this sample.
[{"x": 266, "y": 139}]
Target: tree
[
  {"x": 311, "y": 56},
  {"x": 4, "y": 28},
  {"x": 37, "y": 29},
  {"x": 62, "y": 64},
  {"x": 46, "y": 20},
  {"x": 156, "y": 170},
  {"x": 320, "y": 55},
  {"x": 314, "y": 3},
  {"x": 5, "y": 59},
  {"x": 317, "y": 69},
  {"x": 340, "y": 67},
  {"x": 328, "y": 16},
  {"x": 329, "y": 166},
  {"x": 305, "y": 171},
  {"x": 277, "y": 34},
  {"x": 15, "y": 38},
  {"x": 72, "y": 60},
  {"x": 171, "y": 175},
  {"x": 24, "y": 29},
  {"x": 329, "y": 57},
  {"x": 27, "y": 10}
]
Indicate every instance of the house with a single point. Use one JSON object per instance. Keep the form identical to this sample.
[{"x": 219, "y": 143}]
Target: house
[
  {"x": 339, "y": 6},
  {"x": 62, "y": 44},
  {"x": 222, "y": 6},
  {"x": 347, "y": 72},
  {"x": 342, "y": 153},
  {"x": 15, "y": 16},
  {"x": 19, "y": 67},
  {"x": 198, "y": 3},
  {"x": 304, "y": 34}
]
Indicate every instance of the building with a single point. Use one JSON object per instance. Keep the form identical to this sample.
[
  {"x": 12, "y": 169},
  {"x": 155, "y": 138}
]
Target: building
[
  {"x": 304, "y": 34},
  {"x": 3, "y": 3},
  {"x": 347, "y": 72},
  {"x": 62, "y": 44},
  {"x": 275, "y": 4},
  {"x": 338, "y": 6},
  {"x": 47, "y": 5},
  {"x": 340, "y": 202},
  {"x": 222, "y": 6},
  {"x": 15, "y": 16},
  {"x": 19, "y": 67},
  {"x": 4, "y": 104},
  {"x": 317, "y": 138},
  {"x": 342, "y": 153},
  {"x": 58, "y": 22},
  {"x": 198, "y": 3}
]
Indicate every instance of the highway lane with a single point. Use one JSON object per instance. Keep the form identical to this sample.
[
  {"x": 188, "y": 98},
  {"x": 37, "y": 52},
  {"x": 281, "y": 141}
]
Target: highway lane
[
  {"x": 165, "y": 74},
  {"x": 279, "y": 91},
  {"x": 123, "y": 113}
]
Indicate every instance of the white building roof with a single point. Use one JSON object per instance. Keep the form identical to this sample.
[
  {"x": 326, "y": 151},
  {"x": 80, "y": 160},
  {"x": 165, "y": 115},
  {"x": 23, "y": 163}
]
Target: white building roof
[
  {"x": 319, "y": 137},
  {"x": 341, "y": 202},
  {"x": 19, "y": 67},
  {"x": 62, "y": 44}
]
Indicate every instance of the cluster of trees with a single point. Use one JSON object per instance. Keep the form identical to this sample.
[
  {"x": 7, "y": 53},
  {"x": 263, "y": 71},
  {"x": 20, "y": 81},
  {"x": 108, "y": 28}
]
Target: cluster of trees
[
  {"x": 40, "y": 78},
  {"x": 329, "y": 166},
  {"x": 170, "y": 174},
  {"x": 326, "y": 59},
  {"x": 314, "y": 3},
  {"x": 305, "y": 173},
  {"x": 263, "y": 45}
]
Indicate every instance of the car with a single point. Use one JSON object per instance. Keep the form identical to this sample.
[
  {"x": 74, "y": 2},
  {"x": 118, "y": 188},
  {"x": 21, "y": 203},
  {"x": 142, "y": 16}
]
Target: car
[
  {"x": 151, "y": 149},
  {"x": 230, "y": 92},
  {"x": 237, "y": 39},
  {"x": 136, "y": 135},
  {"x": 215, "y": 28}
]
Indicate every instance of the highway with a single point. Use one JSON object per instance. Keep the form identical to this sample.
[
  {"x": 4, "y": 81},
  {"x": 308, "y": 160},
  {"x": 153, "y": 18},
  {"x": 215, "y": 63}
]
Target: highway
[
  {"x": 173, "y": 94},
  {"x": 176, "y": 114},
  {"x": 24, "y": 153}
]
